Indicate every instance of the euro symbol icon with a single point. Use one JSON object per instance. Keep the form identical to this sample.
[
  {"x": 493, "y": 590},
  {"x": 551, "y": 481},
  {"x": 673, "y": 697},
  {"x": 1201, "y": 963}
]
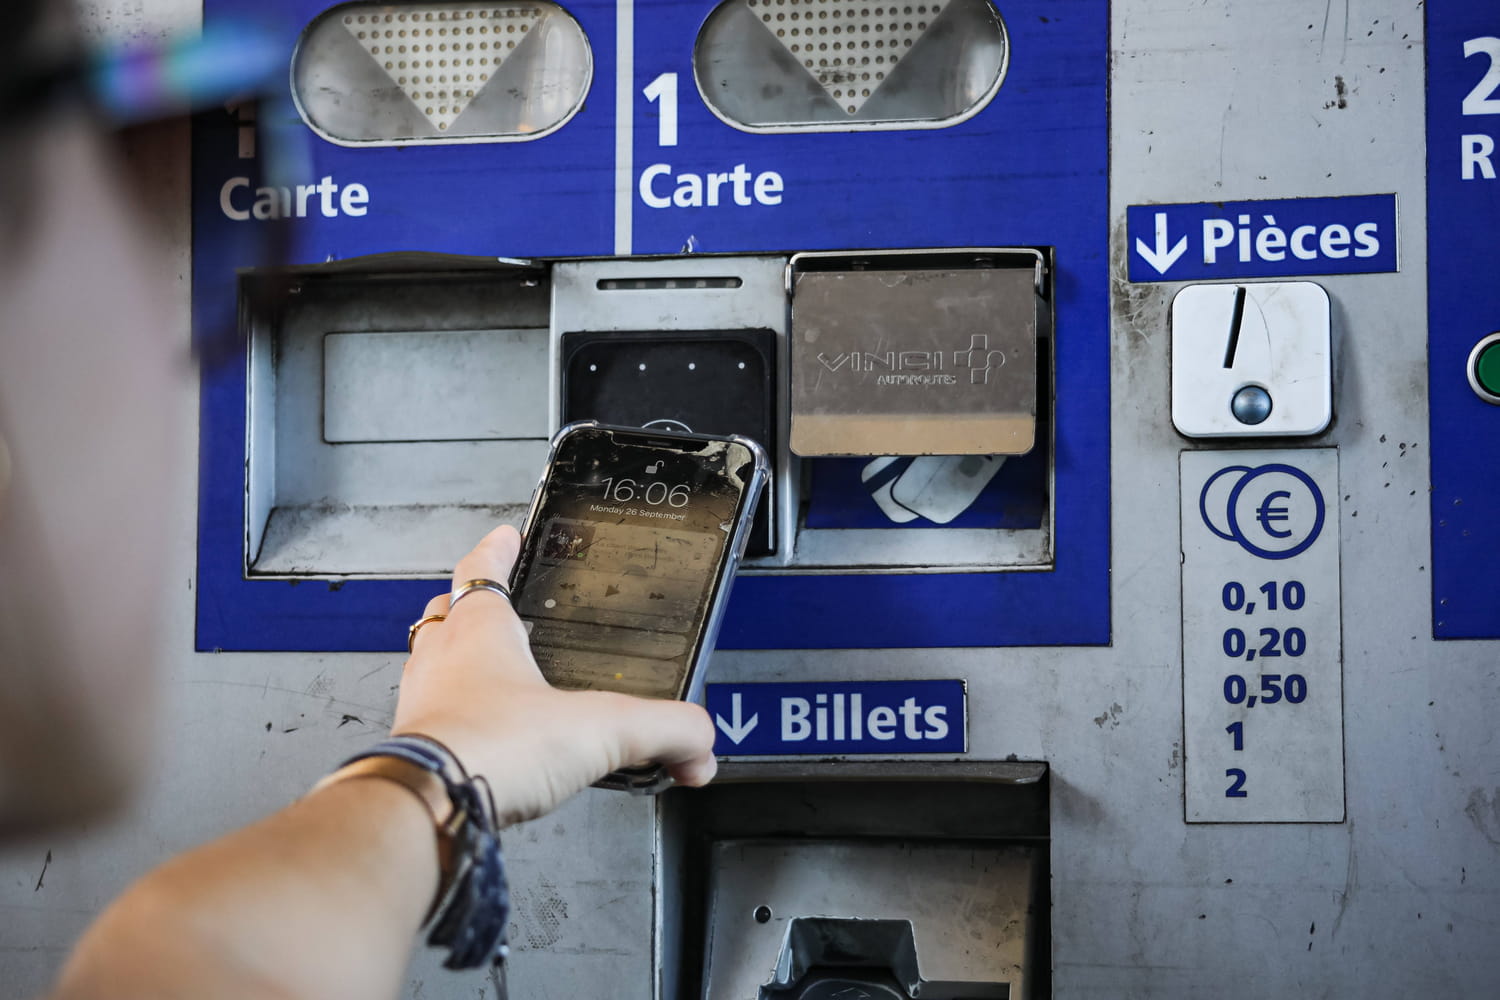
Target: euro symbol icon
[
  {"x": 1266, "y": 513},
  {"x": 1273, "y": 511}
]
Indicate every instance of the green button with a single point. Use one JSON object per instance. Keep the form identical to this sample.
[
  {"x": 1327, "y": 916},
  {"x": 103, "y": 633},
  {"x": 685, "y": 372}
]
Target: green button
[{"x": 1487, "y": 369}]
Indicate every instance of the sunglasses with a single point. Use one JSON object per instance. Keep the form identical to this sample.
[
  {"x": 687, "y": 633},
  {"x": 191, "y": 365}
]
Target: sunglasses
[{"x": 135, "y": 91}]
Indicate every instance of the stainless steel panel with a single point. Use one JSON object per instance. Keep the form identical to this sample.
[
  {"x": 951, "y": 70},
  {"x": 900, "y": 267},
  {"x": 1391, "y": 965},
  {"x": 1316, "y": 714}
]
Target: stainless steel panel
[
  {"x": 914, "y": 362},
  {"x": 451, "y": 385},
  {"x": 969, "y": 910}
]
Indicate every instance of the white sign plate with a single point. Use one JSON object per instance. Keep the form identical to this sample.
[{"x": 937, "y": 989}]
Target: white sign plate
[{"x": 1262, "y": 646}]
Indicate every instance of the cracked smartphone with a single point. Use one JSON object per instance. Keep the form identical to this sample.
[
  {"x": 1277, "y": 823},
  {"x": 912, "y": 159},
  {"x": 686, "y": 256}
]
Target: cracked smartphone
[{"x": 627, "y": 555}]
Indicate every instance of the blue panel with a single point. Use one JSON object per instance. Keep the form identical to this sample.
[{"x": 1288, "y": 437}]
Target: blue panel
[
  {"x": 1463, "y": 302},
  {"x": 547, "y": 197},
  {"x": 1015, "y": 498},
  {"x": 856, "y": 717},
  {"x": 1263, "y": 239},
  {"x": 1028, "y": 170}
]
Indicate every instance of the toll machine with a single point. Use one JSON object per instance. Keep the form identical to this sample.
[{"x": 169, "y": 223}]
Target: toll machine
[{"x": 1044, "y": 641}]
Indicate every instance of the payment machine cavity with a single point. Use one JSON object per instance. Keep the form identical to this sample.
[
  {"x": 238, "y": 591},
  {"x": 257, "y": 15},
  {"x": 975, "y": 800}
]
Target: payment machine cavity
[{"x": 871, "y": 237}]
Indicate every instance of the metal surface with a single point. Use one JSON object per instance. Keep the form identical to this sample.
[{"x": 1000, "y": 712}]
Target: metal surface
[
  {"x": 843, "y": 986},
  {"x": 701, "y": 294},
  {"x": 942, "y": 804},
  {"x": 999, "y": 771},
  {"x": 415, "y": 73},
  {"x": 1272, "y": 337},
  {"x": 1262, "y": 672},
  {"x": 967, "y": 910},
  {"x": 817, "y": 65},
  {"x": 387, "y": 412},
  {"x": 706, "y": 294},
  {"x": 914, "y": 362},
  {"x": 459, "y": 385}
]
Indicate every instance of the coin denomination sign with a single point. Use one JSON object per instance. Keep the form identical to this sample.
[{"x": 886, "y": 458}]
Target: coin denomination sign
[{"x": 1262, "y": 649}]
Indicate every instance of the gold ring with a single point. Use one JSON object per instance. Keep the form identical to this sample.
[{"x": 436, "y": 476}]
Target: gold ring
[
  {"x": 411, "y": 633},
  {"x": 467, "y": 588}
]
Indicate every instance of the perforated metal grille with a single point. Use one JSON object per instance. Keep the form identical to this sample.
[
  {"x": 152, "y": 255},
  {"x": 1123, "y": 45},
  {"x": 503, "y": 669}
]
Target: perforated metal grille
[
  {"x": 849, "y": 46},
  {"x": 441, "y": 55}
]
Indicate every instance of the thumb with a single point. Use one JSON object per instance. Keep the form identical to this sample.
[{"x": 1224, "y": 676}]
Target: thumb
[{"x": 677, "y": 734}]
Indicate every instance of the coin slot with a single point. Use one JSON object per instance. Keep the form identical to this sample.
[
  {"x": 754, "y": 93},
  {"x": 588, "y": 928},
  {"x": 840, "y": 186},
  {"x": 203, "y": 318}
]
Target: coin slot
[{"x": 1235, "y": 322}]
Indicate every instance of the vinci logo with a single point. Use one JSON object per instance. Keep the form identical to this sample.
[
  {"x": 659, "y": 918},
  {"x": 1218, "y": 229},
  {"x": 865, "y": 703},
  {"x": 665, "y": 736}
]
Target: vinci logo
[{"x": 922, "y": 367}]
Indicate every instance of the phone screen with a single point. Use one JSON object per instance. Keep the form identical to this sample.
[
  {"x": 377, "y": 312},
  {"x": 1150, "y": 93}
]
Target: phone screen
[{"x": 623, "y": 557}]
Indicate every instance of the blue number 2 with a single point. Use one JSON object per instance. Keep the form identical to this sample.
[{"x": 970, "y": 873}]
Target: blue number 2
[{"x": 1237, "y": 789}]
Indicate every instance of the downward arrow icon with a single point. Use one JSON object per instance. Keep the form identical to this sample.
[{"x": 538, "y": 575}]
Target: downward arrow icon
[
  {"x": 1160, "y": 257},
  {"x": 741, "y": 727}
]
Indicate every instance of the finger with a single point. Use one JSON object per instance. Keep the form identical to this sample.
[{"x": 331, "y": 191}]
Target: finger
[
  {"x": 489, "y": 614},
  {"x": 677, "y": 734},
  {"x": 491, "y": 559},
  {"x": 437, "y": 606},
  {"x": 695, "y": 773}
]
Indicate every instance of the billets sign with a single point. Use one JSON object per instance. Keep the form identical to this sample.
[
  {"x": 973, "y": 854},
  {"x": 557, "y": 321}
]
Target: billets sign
[{"x": 847, "y": 717}]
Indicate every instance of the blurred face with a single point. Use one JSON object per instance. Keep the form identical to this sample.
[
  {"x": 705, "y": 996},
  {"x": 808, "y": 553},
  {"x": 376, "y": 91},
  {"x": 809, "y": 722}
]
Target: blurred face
[{"x": 90, "y": 370}]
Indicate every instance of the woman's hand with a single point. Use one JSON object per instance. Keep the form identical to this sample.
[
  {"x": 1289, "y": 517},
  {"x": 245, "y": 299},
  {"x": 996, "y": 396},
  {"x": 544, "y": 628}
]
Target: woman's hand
[{"x": 472, "y": 684}]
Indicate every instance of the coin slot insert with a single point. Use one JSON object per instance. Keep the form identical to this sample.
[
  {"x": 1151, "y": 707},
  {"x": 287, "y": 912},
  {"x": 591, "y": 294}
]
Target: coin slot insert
[{"x": 1235, "y": 322}]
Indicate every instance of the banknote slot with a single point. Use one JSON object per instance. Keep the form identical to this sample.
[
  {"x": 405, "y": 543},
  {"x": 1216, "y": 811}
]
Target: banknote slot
[
  {"x": 799, "y": 879},
  {"x": 665, "y": 284}
]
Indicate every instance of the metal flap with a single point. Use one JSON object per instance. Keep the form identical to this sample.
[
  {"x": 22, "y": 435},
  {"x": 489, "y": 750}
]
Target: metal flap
[{"x": 914, "y": 360}]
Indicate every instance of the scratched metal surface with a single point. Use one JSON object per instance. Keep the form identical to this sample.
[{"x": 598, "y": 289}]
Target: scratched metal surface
[
  {"x": 1210, "y": 99},
  {"x": 1218, "y": 100}
]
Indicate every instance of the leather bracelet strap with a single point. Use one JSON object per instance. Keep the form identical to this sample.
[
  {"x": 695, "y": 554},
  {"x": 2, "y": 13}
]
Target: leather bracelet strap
[
  {"x": 472, "y": 904},
  {"x": 430, "y": 789}
]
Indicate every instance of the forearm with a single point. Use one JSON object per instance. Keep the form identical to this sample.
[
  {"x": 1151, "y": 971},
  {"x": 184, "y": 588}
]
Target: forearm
[{"x": 320, "y": 900}]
